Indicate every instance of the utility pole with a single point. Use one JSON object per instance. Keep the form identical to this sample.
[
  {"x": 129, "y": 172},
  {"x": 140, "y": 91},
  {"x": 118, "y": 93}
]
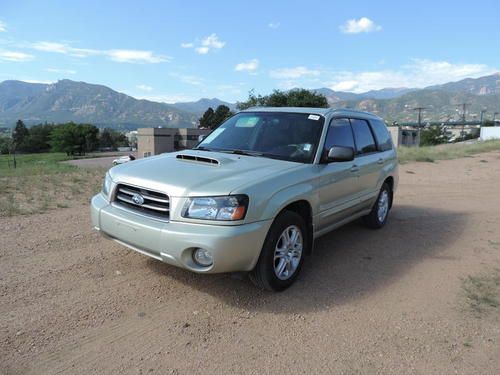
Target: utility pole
[
  {"x": 464, "y": 110},
  {"x": 483, "y": 111},
  {"x": 419, "y": 121},
  {"x": 419, "y": 115}
]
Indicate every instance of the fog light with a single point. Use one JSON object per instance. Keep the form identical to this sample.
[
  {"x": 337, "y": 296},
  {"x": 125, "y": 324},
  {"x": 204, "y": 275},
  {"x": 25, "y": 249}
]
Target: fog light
[{"x": 203, "y": 257}]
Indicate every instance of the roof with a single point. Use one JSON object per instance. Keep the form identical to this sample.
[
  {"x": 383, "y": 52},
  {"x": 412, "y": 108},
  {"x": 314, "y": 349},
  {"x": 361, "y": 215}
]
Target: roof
[{"x": 312, "y": 110}]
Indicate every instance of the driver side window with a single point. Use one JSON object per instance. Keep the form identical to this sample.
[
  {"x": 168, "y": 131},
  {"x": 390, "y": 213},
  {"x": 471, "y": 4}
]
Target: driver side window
[{"x": 339, "y": 134}]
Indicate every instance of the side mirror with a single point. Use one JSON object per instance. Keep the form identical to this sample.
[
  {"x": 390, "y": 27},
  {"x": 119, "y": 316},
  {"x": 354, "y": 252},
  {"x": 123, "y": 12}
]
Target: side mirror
[
  {"x": 201, "y": 137},
  {"x": 338, "y": 153}
]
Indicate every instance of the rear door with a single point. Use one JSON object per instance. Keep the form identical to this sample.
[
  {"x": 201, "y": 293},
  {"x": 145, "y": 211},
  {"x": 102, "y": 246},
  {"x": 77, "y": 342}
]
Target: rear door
[{"x": 368, "y": 161}]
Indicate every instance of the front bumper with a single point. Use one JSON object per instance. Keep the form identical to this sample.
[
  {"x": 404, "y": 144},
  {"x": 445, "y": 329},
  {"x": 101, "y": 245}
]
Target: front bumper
[{"x": 234, "y": 247}]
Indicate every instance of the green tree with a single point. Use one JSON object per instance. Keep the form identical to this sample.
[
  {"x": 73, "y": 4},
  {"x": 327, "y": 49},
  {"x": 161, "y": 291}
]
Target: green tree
[
  {"x": 38, "y": 139},
  {"x": 106, "y": 139},
  {"x": 292, "y": 98},
  {"x": 221, "y": 114},
  {"x": 19, "y": 135},
  {"x": 74, "y": 138},
  {"x": 110, "y": 138},
  {"x": 207, "y": 118},
  {"x": 434, "y": 135},
  {"x": 5, "y": 144}
]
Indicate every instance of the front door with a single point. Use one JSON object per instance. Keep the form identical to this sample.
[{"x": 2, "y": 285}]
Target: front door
[{"x": 338, "y": 180}]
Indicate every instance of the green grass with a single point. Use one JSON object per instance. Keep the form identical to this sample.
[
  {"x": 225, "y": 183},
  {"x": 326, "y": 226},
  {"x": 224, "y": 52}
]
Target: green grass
[
  {"x": 34, "y": 164},
  {"x": 445, "y": 152},
  {"x": 483, "y": 292}
]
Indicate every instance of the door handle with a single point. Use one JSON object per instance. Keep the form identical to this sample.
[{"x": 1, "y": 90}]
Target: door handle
[
  {"x": 380, "y": 161},
  {"x": 354, "y": 168}
]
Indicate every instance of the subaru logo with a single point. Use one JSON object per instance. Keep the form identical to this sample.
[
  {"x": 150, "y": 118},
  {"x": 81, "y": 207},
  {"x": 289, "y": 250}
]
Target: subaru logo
[{"x": 138, "y": 199}]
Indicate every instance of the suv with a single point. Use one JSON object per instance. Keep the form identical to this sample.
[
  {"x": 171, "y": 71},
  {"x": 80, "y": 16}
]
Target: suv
[{"x": 255, "y": 193}]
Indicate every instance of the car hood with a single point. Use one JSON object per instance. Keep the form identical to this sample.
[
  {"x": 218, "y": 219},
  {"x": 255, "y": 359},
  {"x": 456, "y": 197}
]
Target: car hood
[{"x": 198, "y": 173}]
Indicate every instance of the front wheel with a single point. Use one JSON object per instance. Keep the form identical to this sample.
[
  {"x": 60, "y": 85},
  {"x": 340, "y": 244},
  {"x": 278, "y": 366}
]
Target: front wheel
[
  {"x": 282, "y": 254},
  {"x": 378, "y": 216}
]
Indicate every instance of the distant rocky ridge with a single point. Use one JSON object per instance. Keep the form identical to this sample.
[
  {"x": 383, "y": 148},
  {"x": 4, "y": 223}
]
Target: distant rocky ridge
[{"x": 68, "y": 100}]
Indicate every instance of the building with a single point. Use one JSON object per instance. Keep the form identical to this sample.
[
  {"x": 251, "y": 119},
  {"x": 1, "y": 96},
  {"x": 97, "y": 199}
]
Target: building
[{"x": 154, "y": 141}]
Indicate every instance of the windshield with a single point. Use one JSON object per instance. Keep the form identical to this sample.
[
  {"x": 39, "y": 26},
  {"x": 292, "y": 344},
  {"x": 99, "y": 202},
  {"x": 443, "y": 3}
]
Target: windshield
[{"x": 286, "y": 136}]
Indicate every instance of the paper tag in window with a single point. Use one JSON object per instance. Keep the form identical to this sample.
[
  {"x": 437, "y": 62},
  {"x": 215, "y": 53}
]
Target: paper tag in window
[{"x": 313, "y": 117}]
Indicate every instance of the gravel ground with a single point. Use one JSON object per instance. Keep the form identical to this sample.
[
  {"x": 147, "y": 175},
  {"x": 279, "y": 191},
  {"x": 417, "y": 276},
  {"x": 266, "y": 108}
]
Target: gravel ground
[{"x": 388, "y": 301}]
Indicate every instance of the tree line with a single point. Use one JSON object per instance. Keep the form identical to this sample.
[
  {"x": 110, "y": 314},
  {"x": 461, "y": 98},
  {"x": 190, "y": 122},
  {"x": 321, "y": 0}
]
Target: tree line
[
  {"x": 70, "y": 138},
  {"x": 294, "y": 98}
]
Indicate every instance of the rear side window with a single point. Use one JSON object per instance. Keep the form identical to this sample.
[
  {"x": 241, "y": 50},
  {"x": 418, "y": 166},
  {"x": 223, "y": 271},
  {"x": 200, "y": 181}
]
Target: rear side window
[
  {"x": 382, "y": 135},
  {"x": 339, "y": 134},
  {"x": 363, "y": 136}
]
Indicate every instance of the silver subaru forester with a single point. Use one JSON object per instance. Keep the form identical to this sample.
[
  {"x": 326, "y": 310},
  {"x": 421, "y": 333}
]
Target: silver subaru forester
[{"x": 255, "y": 193}]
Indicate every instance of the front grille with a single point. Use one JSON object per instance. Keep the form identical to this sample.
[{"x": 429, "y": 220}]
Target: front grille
[{"x": 152, "y": 203}]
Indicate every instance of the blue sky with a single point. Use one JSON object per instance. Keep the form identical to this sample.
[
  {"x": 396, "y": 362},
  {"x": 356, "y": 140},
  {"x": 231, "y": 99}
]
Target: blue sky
[{"x": 184, "y": 50}]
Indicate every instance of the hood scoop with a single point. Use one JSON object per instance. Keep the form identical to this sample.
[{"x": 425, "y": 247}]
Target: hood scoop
[{"x": 198, "y": 159}]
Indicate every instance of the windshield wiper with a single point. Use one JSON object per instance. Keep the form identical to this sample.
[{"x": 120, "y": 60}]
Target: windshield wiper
[
  {"x": 241, "y": 152},
  {"x": 247, "y": 153}
]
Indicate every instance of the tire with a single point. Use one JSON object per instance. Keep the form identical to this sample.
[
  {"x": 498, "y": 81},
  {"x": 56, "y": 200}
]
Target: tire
[
  {"x": 276, "y": 256},
  {"x": 377, "y": 218}
]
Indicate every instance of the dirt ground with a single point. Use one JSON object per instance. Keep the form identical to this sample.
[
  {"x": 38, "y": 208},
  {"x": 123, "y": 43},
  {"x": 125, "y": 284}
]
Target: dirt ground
[{"x": 390, "y": 301}]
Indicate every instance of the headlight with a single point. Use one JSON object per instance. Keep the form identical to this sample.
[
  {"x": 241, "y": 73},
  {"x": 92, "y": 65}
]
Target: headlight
[
  {"x": 106, "y": 185},
  {"x": 232, "y": 207}
]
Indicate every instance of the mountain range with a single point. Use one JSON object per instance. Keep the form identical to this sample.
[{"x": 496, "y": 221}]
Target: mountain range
[{"x": 68, "y": 100}]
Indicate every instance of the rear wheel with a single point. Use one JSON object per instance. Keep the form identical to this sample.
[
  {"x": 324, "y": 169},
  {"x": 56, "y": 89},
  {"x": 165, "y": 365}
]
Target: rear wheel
[
  {"x": 378, "y": 216},
  {"x": 282, "y": 254}
]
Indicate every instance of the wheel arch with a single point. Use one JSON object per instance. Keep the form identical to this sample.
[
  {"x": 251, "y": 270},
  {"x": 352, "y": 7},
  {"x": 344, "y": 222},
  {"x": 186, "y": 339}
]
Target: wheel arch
[
  {"x": 303, "y": 208},
  {"x": 390, "y": 181}
]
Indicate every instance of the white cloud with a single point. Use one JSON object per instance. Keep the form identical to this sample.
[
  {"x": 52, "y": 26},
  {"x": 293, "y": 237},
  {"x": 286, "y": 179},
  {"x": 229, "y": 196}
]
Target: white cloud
[
  {"x": 189, "y": 79},
  {"x": 3, "y": 27},
  {"x": 144, "y": 88},
  {"x": 249, "y": 66},
  {"x": 118, "y": 55},
  {"x": 65, "y": 49},
  {"x": 135, "y": 56},
  {"x": 46, "y": 82},
  {"x": 14, "y": 56},
  {"x": 273, "y": 25},
  {"x": 361, "y": 25},
  {"x": 61, "y": 71},
  {"x": 207, "y": 44},
  {"x": 212, "y": 41},
  {"x": 202, "y": 50},
  {"x": 417, "y": 74},
  {"x": 294, "y": 73},
  {"x": 169, "y": 99}
]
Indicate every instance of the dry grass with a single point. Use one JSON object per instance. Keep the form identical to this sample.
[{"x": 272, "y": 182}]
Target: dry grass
[
  {"x": 444, "y": 152},
  {"x": 483, "y": 292},
  {"x": 21, "y": 195},
  {"x": 42, "y": 183}
]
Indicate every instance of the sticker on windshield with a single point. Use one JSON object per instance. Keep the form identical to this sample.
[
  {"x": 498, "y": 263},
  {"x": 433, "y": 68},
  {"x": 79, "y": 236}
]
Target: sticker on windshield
[
  {"x": 307, "y": 147},
  {"x": 313, "y": 117}
]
